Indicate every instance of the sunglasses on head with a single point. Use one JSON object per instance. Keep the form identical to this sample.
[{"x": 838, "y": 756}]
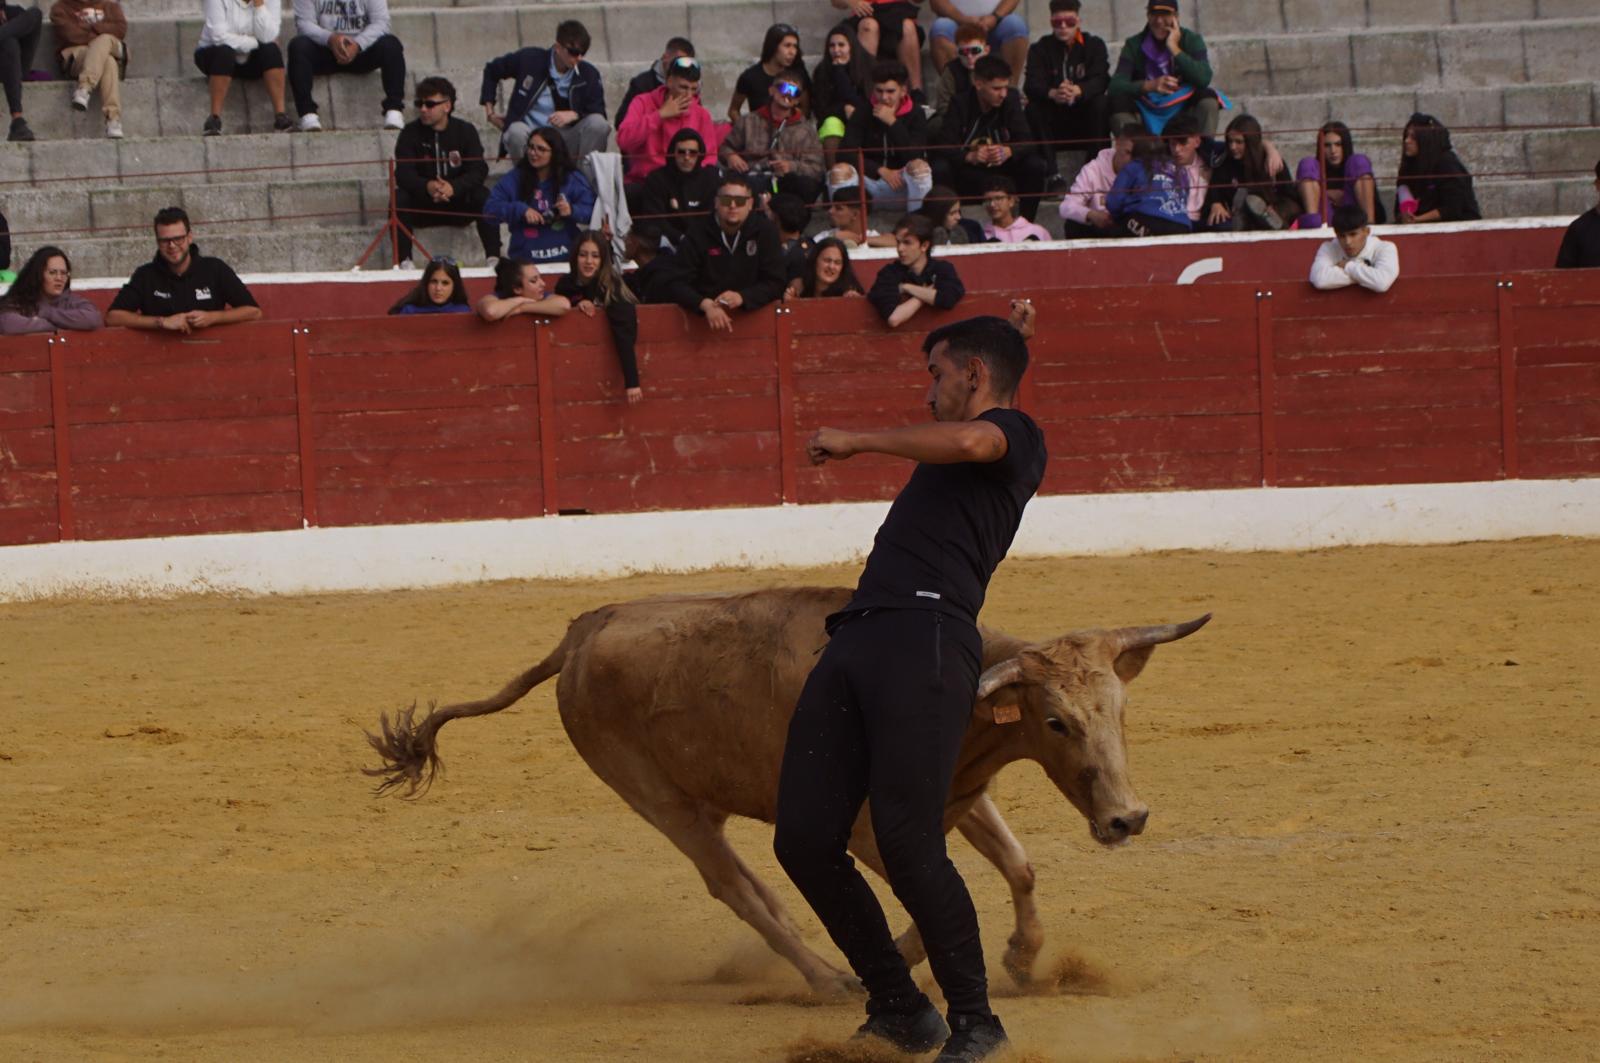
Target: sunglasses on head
[
  {"x": 786, "y": 29},
  {"x": 687, "y": 65},
  {"x": 787, "y": 89}
]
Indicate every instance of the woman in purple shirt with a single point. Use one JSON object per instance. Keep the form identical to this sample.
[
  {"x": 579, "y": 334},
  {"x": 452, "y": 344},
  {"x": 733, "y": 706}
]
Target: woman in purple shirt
[
  {"x": 40, "y": 300},
  {"x": 1346, "y": 177}
]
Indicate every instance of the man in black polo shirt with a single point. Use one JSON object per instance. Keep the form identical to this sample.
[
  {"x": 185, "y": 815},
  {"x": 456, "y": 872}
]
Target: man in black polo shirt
[
  {"x": 883, "y": 713},
  {"x": 730, "y": 261},
  {"x": 181, "y": 290},
  {"x": 1580, "y": 247}
]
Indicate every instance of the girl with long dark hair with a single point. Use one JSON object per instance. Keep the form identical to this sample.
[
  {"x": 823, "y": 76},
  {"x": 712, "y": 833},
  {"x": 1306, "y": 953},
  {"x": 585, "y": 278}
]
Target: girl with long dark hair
[
  {"x": 594, "y": 283},
  {"x": 440, "y": 291},
  {"x": 1245, "y": 191},
  {"x": 41, "y": 299},
  {"x": 841, "y": 82},
  {"x": 518, "y": 289},
  {"x": 1346, "y": 175},
  {"x": 780, "y": 51},
  {"x": 543, "y": 200},
  {"x": 828, "y": 273},
  {"x": 1432, "y": 185}
]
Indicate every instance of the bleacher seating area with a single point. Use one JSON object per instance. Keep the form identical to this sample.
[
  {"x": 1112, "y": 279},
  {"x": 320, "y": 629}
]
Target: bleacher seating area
[{"x": 1513, "y": 79}]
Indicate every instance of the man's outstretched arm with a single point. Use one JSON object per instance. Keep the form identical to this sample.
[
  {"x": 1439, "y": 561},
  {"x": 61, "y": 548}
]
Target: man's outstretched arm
[{"x": 943, "y": 443}]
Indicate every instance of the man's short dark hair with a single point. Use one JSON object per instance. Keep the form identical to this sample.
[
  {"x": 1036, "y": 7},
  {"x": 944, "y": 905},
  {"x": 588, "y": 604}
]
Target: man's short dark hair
[
  {"x": 890, "y": 70},
  {"x": 991, "y": 67},
  {"x": 791, "y": 212},
  {"x": 919, "y": 226},
  {"x": 172, "y": 216},
  {"x": 1348, "y": 217},
  {"x": 573, "y": 34},
  {"x": 680, "y": 45},
  {"x": 991, "y": 339},
  {"x": 1597, "y": 171},
  {"x": 647, "y": 232},
  {"x": 734, "y": 180},
  {"x": 1182, "y": 127},
  {"x": 1058, "y": 6},
  {"x": 850, "y": 195},
  {"x": 1001, "y": 183},
  {"x": 436, "y": 86}
]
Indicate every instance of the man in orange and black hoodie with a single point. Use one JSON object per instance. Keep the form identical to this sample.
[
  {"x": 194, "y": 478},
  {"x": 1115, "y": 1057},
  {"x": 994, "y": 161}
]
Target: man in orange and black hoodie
[
  {"x": 90, "y": 34},
  {"x": 776, "y": 148}
]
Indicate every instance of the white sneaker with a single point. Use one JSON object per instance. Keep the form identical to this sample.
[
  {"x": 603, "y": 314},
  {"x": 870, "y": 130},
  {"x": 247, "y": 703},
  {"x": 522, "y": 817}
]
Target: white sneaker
[
  {"x": 114, "y": 128},
  {"x": 493, "y": 262},
  {"x": 393, "y": 120},
  {"x": 405, "y": 264},
  {"x": 310, "y": 123},
  {"x": 80, "y": 99}
]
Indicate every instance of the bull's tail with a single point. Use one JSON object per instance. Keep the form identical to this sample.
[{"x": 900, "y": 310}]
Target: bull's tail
[{"x": 409, "y": 750}]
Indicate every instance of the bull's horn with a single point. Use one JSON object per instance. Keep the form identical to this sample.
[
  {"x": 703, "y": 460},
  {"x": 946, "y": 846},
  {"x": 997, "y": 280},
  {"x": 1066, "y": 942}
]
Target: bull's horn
[
  {"x": 1006, "y": 672},
  {"x": 1138, "y": 638}
]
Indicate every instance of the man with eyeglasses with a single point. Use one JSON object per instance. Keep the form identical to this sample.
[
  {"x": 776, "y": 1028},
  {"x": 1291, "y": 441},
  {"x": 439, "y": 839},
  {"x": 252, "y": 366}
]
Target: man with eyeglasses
[
  {"x": 440, "y": 171},
  {"x": 1068, "y": 73},
  {"x": 730, "y": 261},
  {"x": 345, "y": 37},
  {"x": 654, "y": 118},
  {"x": 181, "y": 290},
  {"x": 776, "y": 147},
  {"x": 682, "y": 190},
  {"x": 552, "y": 88}
]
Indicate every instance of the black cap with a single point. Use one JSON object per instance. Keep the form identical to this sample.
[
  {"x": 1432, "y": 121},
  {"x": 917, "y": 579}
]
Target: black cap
[{"x": 1161, "y": 5}]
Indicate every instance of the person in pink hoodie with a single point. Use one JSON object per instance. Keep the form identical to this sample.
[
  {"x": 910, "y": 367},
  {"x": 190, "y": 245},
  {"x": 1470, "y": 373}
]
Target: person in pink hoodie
[
  {"x": 654, "y": 117},
  {"x": 1003, "y": 226},
  {"x": 1083, "y": 210}
]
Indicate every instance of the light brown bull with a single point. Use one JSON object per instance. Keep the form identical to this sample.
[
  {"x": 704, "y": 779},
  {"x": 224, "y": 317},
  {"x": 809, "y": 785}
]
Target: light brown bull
[{"x": 681, "y": 704}]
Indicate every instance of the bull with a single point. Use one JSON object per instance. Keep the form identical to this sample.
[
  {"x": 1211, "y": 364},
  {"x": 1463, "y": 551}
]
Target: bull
[{"x": 681, "y": 705}]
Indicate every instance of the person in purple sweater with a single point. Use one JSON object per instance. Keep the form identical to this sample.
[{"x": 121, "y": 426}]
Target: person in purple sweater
[
  {"x": 41, "y": 300},
  {"x": 1336, "y": 175}
]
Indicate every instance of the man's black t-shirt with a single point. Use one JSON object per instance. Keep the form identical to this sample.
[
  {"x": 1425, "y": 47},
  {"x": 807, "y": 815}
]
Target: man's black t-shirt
[
  {"x": 951, "y": 525},
  {"x": 1580, "y": 247},
  {"x": 208, "y": 284}
]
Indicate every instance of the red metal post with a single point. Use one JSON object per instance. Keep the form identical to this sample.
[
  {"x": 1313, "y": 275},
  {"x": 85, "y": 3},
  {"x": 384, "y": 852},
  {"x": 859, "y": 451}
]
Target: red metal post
[
  {"x": 62, "y": 434},
  {"x": 303, "y": 413},
  {"x": 544, "y": 369},
  {"x": 1268, "y": 396},
  {"x": 788, "y": 430},
  {"x": 861, "y": 190},
  {"x": 1510, "y": 461}
]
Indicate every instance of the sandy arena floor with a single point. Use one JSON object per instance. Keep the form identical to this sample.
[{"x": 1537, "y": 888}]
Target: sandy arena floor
[{"x": 1373, "y": 831}]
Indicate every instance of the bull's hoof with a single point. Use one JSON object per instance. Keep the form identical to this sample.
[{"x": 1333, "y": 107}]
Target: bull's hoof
[
  {"x": 1019, "y": 965},
  {"x": 836, "y": 986}
]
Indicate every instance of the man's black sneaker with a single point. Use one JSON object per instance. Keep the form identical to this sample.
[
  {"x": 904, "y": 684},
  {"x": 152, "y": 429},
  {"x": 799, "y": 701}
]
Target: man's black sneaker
[
  {"x": 919, "y": 1031},
  {"x": 972, "y": 1038},
  {"x": 213, "y": 126},
  {"x": 1056, "y": 185},
  {"x": 20, "y": 130}
]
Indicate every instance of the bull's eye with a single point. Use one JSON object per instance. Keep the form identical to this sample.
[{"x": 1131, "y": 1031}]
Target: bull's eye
[{"x": 1056, "y": 724}]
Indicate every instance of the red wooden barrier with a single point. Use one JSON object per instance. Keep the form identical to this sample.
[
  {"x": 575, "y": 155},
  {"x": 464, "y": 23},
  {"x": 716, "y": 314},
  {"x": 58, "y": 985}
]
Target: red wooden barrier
[{"x": 363, "y": 421}]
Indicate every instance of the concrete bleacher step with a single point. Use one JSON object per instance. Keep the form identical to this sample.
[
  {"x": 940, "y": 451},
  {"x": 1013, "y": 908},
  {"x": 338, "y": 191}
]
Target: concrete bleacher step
[
  {"x": 332, "y": 248},
  {"x": 1506, "y": 106}
]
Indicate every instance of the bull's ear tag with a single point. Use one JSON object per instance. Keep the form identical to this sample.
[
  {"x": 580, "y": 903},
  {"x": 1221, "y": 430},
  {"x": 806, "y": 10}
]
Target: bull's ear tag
[{"x": 1007, "y": 713}]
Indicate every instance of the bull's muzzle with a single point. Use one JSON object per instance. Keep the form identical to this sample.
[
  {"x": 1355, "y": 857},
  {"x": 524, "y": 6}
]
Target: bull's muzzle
[{"x": 1120, "y": 828}]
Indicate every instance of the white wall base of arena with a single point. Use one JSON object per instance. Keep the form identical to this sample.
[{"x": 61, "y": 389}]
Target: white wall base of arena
[{"x": 589, "y": 547}]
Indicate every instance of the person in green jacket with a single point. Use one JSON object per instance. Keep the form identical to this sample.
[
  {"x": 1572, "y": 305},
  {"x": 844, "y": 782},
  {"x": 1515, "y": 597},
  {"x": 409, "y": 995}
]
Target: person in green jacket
[{"x": 1162, "y": 73}]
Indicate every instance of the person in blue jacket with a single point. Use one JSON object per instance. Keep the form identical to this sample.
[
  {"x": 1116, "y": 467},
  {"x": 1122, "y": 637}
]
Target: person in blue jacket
[
  {"x": 1150, "y": 197},
  {"x": 544, "y": 200},
  {"x": 552, "y": 88}
]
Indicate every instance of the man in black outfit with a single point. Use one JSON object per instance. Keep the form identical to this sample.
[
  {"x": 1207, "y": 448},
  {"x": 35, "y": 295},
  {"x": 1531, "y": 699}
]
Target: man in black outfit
[
  {"x": 915, "y": 278},
  {"x": 988, "y": 133},
  {"x": 883, "y": 713},
  {"x": 732, "y": 260},
  {"x": 181, "y": 290},
  {"x": 1580, "y": 247},
  {"x": 440, "y": 170},
  {"x": 657, "y": 266},
  {"x": 676, "y": 194}
]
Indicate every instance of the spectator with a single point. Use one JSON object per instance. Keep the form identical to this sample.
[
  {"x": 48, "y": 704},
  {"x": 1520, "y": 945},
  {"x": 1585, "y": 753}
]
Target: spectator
[
  {"x": 1337, "y": 177},
  {"x": 731, "y": 260},
  {"x": 543, "y": 200},
  {"x": 776, "y": 148},
  {"x": 654, "y": 118},
  {"x": 827, "y": 273},
  {"x": 1245, "y": 192},
  {"x": 1354, "y": 255},
  {"x": 440, "y": 170},
  {"x": 346, "y": 37},
  {"x": 1184, "y": 143},
  {"x": 1432, "y": 185},
  {"x": 890, "y": 142},
  {"x": 652, "y": 281},
  {"x": 1148, "y": 197},
  {"x": 956, "y": 77},
  {"x": 1002, "y": 28},
  {"x": 439, "y": 291},
  {"x": 553, "y": 89},
  {"x": 518, "y": 289},
  {"x": 780, "y": 54},
  {"x": 677, "y": 193},
  {"x": 841, "y": 83},
  {"x": 5, "y": 247},
  {"x": 943, "y": 208},
  {"x": 791, "y": 216},
  {"x": 656, "y": 76},
  {"x": 988, "y": 134},
  {"x": 887, "y": 29},
  {"x": 19, "y": 37},
  {"x": 240, "y": 40},
  {"x": 915, "y": 279},
  {"x": 1004, "y": 226},
  {"x": 848, "y": 221},
  {"x": 1163, "y": 71},
  {"x": 1580, "y": 247},
  {"x": 181, "y": 290},
  {"x": 1083, "y": 211},
  {"x": 41, "y": 299},
  {"x": 89, "y": 36},
  {"x": 1068, "y": 73},
  {"x": 592, "y": 284}
]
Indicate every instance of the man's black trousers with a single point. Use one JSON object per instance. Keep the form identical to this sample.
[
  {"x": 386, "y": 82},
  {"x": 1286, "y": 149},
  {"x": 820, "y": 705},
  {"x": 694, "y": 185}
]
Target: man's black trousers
[
  {"x": 880, "y": 721},
  {"x": 421, "y": 212}
]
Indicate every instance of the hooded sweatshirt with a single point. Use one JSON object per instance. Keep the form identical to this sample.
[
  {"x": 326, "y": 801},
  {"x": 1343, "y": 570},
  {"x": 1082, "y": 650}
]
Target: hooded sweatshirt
[
  {"x": 77, "y": 22},
  {"x": 644, "y": 134},
  {"x": 886, "y": 145},
  {"x": 364, "y": 21},
  {"x": 1019, "y": 231},
  {"x": 454, "y": 153},
  {"x": 760, "y": 139},
  {"x": 967, "y": 122},
  {"x": 1158, "y": 194},
  {"x": 540, "y": 242},
  {"x": 669, "y": 191},
  {"x": 240, "y": 25},
  {"x": 1089, "y": 188}
]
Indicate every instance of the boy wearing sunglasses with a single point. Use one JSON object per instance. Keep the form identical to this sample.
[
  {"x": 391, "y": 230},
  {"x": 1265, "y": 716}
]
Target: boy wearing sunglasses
[
  {"x": 1069, "y": 70},
  {"x": 776, "y": 147},
  {"x": 551, "y": 88},
  {"x": 440, "y": 170}
]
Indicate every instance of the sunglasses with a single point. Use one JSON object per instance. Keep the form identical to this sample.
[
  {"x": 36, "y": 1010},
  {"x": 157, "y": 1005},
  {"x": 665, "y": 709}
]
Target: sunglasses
[
  {"x": 1064, "y": 20},
  {"x": 971, "y": 49},
  {"x": 732, "y": 201},
  {"x": 688, "y": 153},
  {"x": 570, "y": 50},
  {"x": 428, "y": 105},
  {"x": 787, "y": 89}
]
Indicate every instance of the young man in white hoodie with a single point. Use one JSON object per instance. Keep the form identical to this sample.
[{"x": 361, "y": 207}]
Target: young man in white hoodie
[
  {"x": 345, "y": 37},
  {"x": 1354, "y": 256}
]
